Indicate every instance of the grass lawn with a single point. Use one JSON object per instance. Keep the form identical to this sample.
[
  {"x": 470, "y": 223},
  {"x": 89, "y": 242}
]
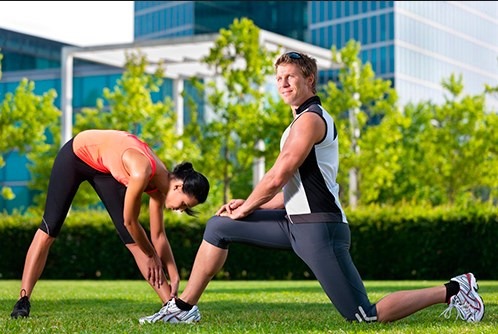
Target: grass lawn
[{"x": 226, "y": 307}]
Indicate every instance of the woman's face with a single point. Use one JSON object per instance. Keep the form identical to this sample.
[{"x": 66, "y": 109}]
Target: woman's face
[{"x": 177, "y": 200}]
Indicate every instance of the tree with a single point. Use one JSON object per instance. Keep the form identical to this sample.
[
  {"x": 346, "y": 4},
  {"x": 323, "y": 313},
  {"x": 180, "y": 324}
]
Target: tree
[
  {"x": 129, "y": 106},
  {"x": 27, "y": 123},
  {"x": 450, "y": 150},
  {"x": 243, "y": 113},
  {"x": 422, "y": 154},
  {"x": 365, "y": 110}
]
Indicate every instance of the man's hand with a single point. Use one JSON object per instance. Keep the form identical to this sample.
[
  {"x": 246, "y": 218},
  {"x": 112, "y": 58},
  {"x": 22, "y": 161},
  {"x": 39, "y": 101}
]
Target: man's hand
[{"x": 228, "y": 208}]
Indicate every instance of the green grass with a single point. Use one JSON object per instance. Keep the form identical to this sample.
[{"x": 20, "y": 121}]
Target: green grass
[{"x": 227, "y": 307}]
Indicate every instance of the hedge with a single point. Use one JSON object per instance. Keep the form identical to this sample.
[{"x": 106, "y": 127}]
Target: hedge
[{"x": 387, "y": 243}]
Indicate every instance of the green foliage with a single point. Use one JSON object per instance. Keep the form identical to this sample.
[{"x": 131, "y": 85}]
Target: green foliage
[
  {"x": 415, "y": 242},
  {"x": 7, "y": 193},
  {"x": 449, "y": 151},
  {"x": 424, "y": 154},
  {"x": 129, "y": 106},
  {"x": 423, "y": 238},
  {"x": 28, "y": 124},
  {"x": 73, "y": 255},
  {"x": 243, "y": 112},
  {"x": 365, "y": 108}
]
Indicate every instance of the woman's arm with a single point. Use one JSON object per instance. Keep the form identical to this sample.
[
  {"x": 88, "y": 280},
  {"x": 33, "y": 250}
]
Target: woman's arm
[
  {"x": 161, "y": 242},
  {"x": 139, "y": 169}
]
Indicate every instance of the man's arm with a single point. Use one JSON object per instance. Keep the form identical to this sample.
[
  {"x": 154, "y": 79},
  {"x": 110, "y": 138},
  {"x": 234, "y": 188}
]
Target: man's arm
[
  {"x": 305, "y": 132},
  {"x": 277, "y": 202}
]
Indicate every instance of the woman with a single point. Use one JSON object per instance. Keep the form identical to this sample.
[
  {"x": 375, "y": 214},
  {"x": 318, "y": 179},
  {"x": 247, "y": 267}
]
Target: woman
[{"x": 120, "y": 167}]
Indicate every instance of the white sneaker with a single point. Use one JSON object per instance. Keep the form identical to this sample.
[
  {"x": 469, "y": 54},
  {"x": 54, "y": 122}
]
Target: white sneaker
[
  {"x": 468, "y": 303},
  {"x": 172, "y": 314}
]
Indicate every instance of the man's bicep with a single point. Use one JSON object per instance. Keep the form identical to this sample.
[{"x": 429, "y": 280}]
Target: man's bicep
[{"x": 305, "y": 132}]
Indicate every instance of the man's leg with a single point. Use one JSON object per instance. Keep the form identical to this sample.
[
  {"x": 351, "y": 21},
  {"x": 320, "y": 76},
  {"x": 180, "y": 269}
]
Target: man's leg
[
  {"x": 400, "y": 304},
  {"x": 208, "y": 262},
  {"x": 264, "y": 228}
]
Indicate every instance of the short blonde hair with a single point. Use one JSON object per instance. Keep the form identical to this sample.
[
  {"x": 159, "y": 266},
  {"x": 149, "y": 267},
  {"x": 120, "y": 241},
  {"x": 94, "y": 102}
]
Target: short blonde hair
[{"x": 306, "y": 64}]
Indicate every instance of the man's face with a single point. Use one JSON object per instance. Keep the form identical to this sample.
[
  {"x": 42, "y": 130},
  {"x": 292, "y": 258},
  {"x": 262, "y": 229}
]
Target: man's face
[{"x": 292, "y": 86}]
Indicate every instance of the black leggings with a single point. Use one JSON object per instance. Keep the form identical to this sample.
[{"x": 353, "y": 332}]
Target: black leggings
[
  {"x": 68, "y": 172},
  {"x": 324, "y": 247}
]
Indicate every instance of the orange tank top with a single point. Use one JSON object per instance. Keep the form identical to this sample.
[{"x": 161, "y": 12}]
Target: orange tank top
[{"x": 103, "y": 151}]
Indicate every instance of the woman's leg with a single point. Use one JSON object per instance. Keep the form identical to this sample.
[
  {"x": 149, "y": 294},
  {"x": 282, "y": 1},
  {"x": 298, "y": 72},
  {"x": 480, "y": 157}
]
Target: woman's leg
[
  {"x": 164, "y": 292},
  {"x": 65, "y": 179},
  {"x": 36, "y": 259}
]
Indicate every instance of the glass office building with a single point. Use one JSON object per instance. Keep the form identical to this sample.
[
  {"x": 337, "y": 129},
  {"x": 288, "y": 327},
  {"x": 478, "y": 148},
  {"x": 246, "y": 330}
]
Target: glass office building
[
  {"x": 415, "y": 44},
  {"x": 165, "y": 19},
  {"x": 39, "y": 60}
]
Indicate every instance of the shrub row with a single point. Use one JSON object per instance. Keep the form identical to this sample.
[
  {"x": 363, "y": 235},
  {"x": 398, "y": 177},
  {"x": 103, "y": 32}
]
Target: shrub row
[{"x": 387, "y": 243}]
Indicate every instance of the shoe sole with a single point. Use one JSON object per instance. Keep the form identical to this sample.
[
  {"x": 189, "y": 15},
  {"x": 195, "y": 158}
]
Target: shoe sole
[
  {"x": 171, "y": 318},
  {"x": 19, "y": 315}
]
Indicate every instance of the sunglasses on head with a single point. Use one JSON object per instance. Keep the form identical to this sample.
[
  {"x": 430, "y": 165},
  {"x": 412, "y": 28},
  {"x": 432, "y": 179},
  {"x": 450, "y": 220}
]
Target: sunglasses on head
[{"x": 294, "y": 55}]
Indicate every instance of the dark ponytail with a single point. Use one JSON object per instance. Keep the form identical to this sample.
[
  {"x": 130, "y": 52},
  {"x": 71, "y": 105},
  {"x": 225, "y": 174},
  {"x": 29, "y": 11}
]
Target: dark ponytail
[{"x": 194, "y": 183}]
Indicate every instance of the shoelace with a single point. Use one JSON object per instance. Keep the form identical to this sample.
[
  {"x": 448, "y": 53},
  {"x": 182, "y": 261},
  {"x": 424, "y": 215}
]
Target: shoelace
[
  {"x": 165, "y": 308},
  {"x": 462, "y": 309},
  {"x": 447, "y": 312}
]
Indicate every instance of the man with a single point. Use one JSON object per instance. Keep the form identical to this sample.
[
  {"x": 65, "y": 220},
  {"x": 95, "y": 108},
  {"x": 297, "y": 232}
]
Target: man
[{"x": 296, "y": 206}]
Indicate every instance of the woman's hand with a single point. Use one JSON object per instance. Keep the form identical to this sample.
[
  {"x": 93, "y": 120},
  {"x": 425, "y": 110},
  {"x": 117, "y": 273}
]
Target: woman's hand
[
  {"x": 155, "y": 267},
  {"x": 174, "y": 288}
]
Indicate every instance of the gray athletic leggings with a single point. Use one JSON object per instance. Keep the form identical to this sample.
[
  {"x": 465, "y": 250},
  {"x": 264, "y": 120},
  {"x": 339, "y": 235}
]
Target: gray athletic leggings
[{"x": 324, "y": 247}]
